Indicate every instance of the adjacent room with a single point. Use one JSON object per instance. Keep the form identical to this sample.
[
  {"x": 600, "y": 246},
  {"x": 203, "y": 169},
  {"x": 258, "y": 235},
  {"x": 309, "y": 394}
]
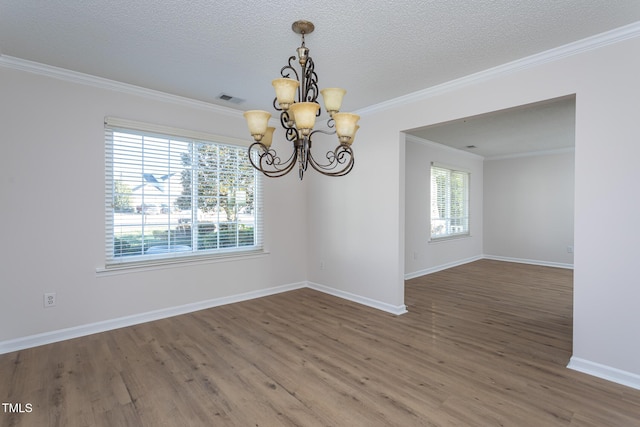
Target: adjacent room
[
  {"x": 453, "y": 249},
  {"x": 521, "y": 191}
]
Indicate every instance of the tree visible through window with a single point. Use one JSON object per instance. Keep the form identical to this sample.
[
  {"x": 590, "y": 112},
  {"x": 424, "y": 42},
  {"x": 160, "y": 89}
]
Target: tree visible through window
[
  {"x": 176, "y": 196},
  {"x": 449, "y": 202}
]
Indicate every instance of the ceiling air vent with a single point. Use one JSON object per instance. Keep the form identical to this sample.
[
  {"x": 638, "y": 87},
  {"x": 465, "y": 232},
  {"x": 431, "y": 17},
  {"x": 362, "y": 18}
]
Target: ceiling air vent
[{"x": 229, "y": 98}]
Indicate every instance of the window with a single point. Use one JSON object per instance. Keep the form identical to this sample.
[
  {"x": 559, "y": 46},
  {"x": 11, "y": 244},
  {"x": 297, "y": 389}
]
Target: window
[
  {"x": 172, "y": 193},
  {"x": 449, "y": 202}
]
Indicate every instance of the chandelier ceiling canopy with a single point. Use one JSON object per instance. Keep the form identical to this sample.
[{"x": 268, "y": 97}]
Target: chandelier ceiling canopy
[{"x": 297, "y": 102}]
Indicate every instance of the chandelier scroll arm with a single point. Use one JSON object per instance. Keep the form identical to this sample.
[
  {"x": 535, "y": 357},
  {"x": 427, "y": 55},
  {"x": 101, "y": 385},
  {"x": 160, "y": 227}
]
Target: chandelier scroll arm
[
  {"x": 330, "y": 125},
  {"x": 322, "y": 131},
  {"x": 310, "y": 91},
  {"x": 289, "y": 67},
  {"x": 269, "y": 162},
  {"x": 341, "y": 155},
  {"x": 291, "y": 133}
]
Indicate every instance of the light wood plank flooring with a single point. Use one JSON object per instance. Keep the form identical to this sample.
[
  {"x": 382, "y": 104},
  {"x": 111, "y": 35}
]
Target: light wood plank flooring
[{"x": 483, "y": 344}]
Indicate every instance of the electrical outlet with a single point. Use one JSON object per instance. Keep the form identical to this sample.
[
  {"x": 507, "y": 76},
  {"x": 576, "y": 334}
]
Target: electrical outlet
[
  {"x": 321, "y": 265},
  {"x": 50, "y": 299},
  {"x": 570, "y": 249}
]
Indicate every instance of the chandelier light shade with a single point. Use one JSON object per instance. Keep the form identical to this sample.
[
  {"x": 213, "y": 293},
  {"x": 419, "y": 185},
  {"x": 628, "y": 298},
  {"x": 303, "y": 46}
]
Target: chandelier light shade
[
  {"x": 258, "y": 121},
  {"x": 297, "y": 101},
  {"x": 304, "y": 116},
  {"x": 332, "y": 99},
  {"x": 285, "y": 91},
  {"x": 346, "y": 126}
]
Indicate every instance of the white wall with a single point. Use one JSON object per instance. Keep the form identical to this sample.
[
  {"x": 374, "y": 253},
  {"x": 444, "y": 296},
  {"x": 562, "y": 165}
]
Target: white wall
[
  {"x": 52, "y": 216},
  {"x": 421, "y": 255},
  {"x": 606, "y": 291},
  {"x": 528, "y": 208},
  {"x": 606, "y": 283},
  {"x": 353, "y": 226},
  {"x": 62, "y": 122}
]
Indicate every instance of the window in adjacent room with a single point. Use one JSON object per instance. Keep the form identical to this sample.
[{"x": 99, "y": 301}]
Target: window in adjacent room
[
  {"x": 449, "y": 202},
  {"x": 172, "y": 193}
]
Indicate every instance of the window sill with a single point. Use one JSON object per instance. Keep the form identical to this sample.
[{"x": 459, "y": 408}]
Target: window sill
[
  {"x": 448, "y": 238},
  {"x": 176, "y": 262}
]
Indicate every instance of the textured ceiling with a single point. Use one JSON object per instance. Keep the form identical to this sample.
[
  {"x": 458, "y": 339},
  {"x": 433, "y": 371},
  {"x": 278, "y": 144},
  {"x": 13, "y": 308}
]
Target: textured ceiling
[
  {"x": 377, "y": 50},
  {"x": 540, "y": 127}
]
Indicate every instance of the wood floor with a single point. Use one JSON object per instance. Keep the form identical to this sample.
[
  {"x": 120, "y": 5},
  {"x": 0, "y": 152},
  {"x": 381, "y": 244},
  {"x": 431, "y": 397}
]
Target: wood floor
[{"x": 483, "y": 344}]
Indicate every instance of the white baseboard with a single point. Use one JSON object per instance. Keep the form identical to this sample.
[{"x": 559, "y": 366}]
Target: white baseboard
[
  {"x": 529, "y": 261},
  {"x": 441, "y": 267},
  {"x": 605, "y": 372},
  {"x": 393, "y": 309},
  {"x": 591, "y": 368},
  {"x": 121, "y": 322}
]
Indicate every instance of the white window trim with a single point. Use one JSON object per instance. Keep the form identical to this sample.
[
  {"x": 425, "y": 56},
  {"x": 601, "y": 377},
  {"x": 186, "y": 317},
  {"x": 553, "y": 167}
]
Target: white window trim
[
  {"x": 172, "y": 131},
  {"x": 173, "y": 260},
  {"x": 457, "y": 236},
  {"x": 178, "y": 262}
]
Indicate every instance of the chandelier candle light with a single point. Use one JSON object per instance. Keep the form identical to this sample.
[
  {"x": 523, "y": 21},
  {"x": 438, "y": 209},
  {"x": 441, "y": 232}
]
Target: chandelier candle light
[{"x": 298, "y": 118}]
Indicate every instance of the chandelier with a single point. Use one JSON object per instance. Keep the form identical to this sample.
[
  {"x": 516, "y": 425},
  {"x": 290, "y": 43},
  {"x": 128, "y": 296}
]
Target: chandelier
[{"x": 298, "y": 117}]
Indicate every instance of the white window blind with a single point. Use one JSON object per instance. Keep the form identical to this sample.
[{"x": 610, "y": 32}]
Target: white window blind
[
  {"x": 449, "y": 202},
  {"x": 173, "y": 193}
]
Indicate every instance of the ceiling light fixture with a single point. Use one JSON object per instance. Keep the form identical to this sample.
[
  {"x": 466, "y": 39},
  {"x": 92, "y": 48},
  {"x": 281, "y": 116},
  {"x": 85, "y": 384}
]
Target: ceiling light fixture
[{"x": 298, "y": 117}]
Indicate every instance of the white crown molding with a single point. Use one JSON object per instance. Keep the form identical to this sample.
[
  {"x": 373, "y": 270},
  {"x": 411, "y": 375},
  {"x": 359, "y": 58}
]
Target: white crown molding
[
  {"x": 590, "y": 43},
  {"x": 533, "y": 153},
  {"x": 102, "y": 83},
  {"x": 437, "y": 145}
]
